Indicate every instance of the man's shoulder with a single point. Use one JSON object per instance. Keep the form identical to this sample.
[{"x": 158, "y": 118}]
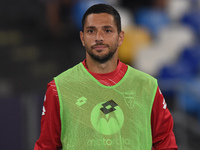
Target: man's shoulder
[{"x": 140, "y": 74}]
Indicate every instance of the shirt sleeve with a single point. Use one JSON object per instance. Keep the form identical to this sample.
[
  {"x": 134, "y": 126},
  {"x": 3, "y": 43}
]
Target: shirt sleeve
[
  {"x": 50, "y": 122},
  {"x": 162, "y": 125}
]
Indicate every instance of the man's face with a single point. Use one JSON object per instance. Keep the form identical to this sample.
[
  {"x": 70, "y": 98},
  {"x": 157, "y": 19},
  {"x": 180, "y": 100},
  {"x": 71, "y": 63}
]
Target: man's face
[{"x": 100, "y": 37}]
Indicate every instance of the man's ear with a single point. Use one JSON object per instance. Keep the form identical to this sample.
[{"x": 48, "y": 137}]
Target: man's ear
[
  {"x": 82, "y": 38},
  {"x": 121, "y": 38}
]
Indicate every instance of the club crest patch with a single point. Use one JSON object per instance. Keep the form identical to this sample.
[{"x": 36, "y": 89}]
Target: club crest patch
[{"x": 129, "y": 99}]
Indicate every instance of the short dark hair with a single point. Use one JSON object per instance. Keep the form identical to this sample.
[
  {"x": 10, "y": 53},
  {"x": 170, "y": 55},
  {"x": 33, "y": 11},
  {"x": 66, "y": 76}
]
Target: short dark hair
[{"x": 103, "y": 8}]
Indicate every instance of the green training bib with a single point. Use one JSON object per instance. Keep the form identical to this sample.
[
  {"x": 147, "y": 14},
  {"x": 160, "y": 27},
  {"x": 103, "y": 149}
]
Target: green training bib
[{"x": 98, "y": 117}]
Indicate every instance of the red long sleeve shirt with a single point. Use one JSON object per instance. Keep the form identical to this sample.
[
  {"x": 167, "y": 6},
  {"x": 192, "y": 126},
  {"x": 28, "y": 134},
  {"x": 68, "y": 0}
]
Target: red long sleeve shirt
[{"x": 161, "y": 119}]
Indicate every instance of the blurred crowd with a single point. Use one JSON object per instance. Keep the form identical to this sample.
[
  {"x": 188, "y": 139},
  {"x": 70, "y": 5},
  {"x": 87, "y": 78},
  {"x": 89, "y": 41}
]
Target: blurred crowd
[{"x": 40, "y": 39}]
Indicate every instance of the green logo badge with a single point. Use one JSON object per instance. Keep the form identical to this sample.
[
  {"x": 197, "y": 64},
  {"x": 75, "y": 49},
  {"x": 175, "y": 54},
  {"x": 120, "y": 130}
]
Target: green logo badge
[{"x": 107, "y": 117}]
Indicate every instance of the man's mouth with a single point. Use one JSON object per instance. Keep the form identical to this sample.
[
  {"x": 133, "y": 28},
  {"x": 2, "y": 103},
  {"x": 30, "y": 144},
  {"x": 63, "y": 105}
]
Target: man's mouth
[{"x": 99, "y": 47}]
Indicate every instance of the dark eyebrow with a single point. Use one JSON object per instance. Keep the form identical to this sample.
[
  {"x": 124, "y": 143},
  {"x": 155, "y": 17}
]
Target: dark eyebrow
[
  {"x": 90, "y": 27},
  {"x": 106, "y": 27}
]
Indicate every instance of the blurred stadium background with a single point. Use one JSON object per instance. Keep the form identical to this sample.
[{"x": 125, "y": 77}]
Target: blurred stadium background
[{"x": 40, "y": 39}]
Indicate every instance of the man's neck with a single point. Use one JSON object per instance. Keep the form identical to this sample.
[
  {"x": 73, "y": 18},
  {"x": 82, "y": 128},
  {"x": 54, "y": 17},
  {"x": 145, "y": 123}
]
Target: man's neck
[{"x": 97, "y": 67}]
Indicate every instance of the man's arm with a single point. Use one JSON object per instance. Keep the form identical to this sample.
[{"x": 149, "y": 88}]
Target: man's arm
[
  {"x": 162, "y": 125},
  {"x": 50, "y": 122}
]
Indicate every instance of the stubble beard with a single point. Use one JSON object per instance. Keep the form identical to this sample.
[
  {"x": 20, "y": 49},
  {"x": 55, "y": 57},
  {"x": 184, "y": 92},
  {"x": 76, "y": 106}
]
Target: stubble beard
[{"x": 104, "y": 58}]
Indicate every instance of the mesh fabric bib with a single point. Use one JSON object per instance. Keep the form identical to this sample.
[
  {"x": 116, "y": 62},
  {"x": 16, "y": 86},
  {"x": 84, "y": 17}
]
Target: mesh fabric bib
[{"x": 98, "y": 117}]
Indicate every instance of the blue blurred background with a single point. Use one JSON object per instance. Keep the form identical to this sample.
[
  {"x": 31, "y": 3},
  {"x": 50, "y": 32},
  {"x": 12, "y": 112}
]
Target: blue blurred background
[{"x": 40, "y": 39}]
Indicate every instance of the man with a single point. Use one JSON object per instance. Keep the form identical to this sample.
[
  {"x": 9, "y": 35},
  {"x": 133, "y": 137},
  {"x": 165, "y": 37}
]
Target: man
[{"x": 102, "y": 103}]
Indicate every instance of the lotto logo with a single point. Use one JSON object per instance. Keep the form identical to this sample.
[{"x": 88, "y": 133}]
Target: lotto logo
[
  {"x": 81, "y": 101},
  {"x": 108, "y": 107}
]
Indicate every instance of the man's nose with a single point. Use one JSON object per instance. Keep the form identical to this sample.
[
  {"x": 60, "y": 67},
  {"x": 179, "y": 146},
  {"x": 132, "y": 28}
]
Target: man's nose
[{"x": 99, "y": 37}]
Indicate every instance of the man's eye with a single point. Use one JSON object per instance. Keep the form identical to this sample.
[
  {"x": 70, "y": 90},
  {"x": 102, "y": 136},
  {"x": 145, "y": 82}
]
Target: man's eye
[
  {"x": 90, "y": 31},
  {"x": 108, "y": 31}
]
